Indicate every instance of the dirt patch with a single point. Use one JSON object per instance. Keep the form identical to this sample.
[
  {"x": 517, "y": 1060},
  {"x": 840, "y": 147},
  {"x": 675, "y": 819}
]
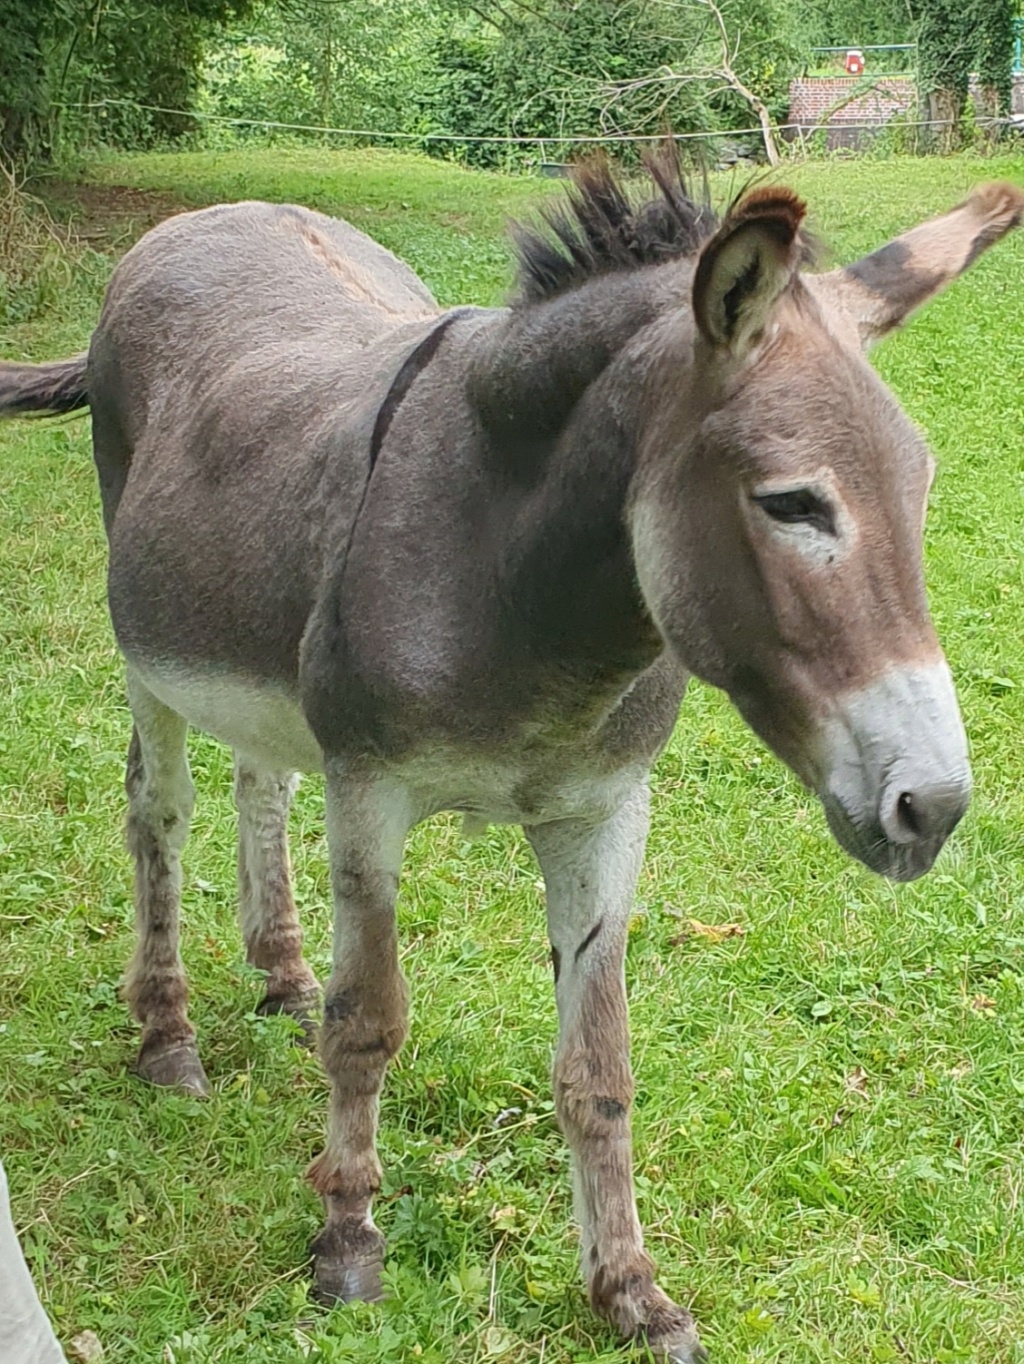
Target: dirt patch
[{"x": 105, "y": 217}]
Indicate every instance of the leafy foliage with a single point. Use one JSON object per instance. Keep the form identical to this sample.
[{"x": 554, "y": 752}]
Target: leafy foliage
[
  {"x": 58, "y": 56},
  {"x": 23, "y": 73},
  {"x": 322, "y": 63},
  {"x": 829, "y": 23},
  {"x": 34, "y": 262},
  {"x": 993, "y": 45},
  {"x": 955, "y": 40},
  {"x": 561, "y": 69}
]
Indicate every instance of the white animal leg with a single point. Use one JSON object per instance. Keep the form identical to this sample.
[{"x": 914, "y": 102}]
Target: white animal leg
[
  {"x": 365, "y": 1023},
  {"x": 590, "y": 872},
  {"x": 26, "y": 1336},
  {"x": 160, "y": 800}
]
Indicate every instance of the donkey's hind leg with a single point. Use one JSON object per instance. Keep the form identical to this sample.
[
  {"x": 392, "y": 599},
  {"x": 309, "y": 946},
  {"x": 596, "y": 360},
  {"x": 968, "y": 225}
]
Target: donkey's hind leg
[
  {"x": 270, "y": 922},
  {"x": 160, "y": 799}
]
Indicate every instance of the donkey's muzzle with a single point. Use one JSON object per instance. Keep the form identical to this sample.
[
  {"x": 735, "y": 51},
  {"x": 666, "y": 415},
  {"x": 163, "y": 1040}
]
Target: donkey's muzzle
[{"x": 898, "y": 778}]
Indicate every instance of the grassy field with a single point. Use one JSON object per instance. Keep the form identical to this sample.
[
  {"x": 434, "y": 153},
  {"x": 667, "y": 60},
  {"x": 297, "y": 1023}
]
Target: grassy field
[{"x": 830, "y": 1106}]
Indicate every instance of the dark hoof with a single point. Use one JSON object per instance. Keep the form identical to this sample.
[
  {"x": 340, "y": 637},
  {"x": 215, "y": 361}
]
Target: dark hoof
[
  {"x": 175, "y": 1065},
  {"x": 347, "y": 1262},
  {"x": 303, "y": 1007},
  {"x": 675, "y": 1340}
]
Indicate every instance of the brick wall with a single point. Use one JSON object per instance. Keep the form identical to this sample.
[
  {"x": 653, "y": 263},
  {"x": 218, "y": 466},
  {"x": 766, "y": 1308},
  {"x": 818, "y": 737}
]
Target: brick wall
[
  {"x": 816, "y": 101},
  {"x": 811, "y": 99}
]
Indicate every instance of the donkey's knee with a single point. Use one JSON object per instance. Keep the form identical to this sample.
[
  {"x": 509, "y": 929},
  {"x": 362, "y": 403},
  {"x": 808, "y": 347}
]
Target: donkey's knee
[
  {"x": 363, "y": 1029},
  {"x": 364, "y": 1026},
  {"x": 593, "y": 1095}
]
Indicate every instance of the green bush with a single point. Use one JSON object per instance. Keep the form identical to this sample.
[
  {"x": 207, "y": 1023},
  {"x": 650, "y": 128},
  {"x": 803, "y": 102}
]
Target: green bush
[
  {"x": 615, "y": 67},
  {"x": 34, "y": 263},
  {"x": 317, "y": 64}
]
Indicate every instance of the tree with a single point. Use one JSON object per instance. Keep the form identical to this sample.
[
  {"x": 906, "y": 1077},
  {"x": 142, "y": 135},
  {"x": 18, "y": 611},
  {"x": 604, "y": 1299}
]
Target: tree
[
  {"x": 945, "y": 49},
  {"x": 715, "y": 63},
  {"x": 993, "y": 44},
  {"x": 23, "y": 71},
  {"x": 555, "y": 68},
  {"x": 954, "y": 40},
  {"x": 71, "y": 52}
]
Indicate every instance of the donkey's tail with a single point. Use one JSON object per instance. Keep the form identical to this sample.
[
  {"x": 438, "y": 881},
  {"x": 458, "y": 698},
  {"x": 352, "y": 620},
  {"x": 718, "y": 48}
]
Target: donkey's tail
[{"x": 43, "y": 390}]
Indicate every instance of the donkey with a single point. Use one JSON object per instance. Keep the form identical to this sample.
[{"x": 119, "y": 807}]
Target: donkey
[{"x": 466, "y": 560}]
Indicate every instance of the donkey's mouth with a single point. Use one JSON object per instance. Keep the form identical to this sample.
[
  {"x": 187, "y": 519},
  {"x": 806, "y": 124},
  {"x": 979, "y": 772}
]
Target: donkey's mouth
[
  {"x": 869, "y": 844},
  {"x": 897, "y": 779}
]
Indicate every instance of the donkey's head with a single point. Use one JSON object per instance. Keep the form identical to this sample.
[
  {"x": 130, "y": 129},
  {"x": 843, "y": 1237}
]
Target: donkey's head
[{"x": 778, "y": 516}]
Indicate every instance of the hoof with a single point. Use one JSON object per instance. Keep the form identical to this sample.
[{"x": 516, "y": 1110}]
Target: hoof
[
  {"x": 347, "y": 1262},
  {"x": 643, "y": 1313},
  {"x": 682, "y": 1349},
  {"x": 672, "y": 1336},
  {"x": 175, "y": 1065},
  {"x": 302, "y": 1006}
]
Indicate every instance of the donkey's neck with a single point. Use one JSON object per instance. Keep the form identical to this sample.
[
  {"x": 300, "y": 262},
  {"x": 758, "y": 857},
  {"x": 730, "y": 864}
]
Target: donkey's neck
[
  {"x": 561, "y": 398},
  {"x": 545, "y": 357}
]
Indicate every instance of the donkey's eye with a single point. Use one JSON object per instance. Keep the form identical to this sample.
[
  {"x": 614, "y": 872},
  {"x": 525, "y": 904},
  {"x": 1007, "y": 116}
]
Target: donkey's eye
[{"x": 798, "y": 506}]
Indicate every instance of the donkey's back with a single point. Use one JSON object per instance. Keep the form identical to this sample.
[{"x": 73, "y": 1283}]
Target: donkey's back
[
  {"x": 223, "y": 275},
  {"x": 239, "y": 353},
  {"x": 206, "y": 294}
]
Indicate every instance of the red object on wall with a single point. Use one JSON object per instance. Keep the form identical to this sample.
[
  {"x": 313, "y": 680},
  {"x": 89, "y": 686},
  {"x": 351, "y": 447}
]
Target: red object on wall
[{"x": 855, "y": 62}]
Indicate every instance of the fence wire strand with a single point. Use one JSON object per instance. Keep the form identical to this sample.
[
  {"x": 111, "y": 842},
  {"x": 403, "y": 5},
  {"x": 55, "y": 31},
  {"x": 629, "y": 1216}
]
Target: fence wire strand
[{"x": 803, "y": 130}]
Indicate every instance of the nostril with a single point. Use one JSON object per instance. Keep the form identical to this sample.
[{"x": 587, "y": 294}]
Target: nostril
[
  {"x": 908, "y": 816},
  {"x": 930, "y": 810}
]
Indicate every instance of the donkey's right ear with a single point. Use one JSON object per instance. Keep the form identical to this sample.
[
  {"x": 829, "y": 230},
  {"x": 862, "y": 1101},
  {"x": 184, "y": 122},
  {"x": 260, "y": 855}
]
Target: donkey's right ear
[{"x": 746, "y": 265}]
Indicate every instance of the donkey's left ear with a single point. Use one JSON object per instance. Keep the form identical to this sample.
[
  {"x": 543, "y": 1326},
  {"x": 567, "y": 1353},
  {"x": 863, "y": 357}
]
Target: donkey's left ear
[
  {"x": 745, "y": 266},
  {"x": 882, "y": 290}
]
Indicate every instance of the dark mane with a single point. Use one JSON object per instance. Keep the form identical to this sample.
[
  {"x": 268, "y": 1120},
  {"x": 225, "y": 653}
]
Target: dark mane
[{"x": 598, "y": 229}]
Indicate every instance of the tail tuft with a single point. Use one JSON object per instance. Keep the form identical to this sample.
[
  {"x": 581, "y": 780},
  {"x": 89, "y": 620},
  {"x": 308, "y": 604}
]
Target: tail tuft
[{"x": 43, "y": 390}]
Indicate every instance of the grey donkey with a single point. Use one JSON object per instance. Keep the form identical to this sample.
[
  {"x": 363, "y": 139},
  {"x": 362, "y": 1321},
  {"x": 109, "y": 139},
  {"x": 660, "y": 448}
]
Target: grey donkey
[{"x": 466, "y": 560}]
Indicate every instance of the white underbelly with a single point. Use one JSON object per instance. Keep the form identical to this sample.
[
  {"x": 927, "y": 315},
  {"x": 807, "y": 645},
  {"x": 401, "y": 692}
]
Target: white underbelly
[
  {"x": 512, "y": 785},
  {"x": 260, "y": 720}
]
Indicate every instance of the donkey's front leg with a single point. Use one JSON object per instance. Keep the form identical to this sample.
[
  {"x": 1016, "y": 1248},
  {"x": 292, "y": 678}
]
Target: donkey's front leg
[
  {"x": 590, "y": 872},
  {"x": 365, "y": 1022}
]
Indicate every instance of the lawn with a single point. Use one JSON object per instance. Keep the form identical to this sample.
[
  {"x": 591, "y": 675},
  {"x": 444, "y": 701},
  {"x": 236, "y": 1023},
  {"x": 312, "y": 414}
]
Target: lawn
[{"x": 830, "y": 1109}]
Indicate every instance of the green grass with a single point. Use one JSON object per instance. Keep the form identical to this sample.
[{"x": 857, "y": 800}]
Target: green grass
[{"x": 830, "y": 1107}]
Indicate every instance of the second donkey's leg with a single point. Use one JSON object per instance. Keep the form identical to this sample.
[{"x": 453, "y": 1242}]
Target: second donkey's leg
[
  {"x": 365, "y": 1023},
  {"x": 269, "y": 920},
  {"x": 590, "y": 872},
  {"x": 160, "y": 799}
]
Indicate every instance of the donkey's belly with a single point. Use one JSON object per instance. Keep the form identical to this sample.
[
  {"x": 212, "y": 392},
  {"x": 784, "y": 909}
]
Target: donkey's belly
[
  {"x": 530, "y": 786},
  {"x": 512, "y": 787},
  {"x": 259, "y": 719}
]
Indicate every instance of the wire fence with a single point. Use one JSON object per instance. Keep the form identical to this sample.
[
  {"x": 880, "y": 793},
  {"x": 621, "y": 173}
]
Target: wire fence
[{"x": 801, "y": 130}]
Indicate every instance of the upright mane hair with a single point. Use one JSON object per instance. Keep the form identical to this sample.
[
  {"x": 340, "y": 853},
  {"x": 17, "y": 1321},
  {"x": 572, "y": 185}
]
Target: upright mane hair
[{"x": 598, "y": 229}]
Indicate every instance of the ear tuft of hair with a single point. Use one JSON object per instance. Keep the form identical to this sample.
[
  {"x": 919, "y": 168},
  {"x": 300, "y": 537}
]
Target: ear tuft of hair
[
  {"x": 777, "y": 209},
  {"x": 1000, "y": 206},
  {"x": 1000, "y": 200},
  {"x": 745, "y": 267}
]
